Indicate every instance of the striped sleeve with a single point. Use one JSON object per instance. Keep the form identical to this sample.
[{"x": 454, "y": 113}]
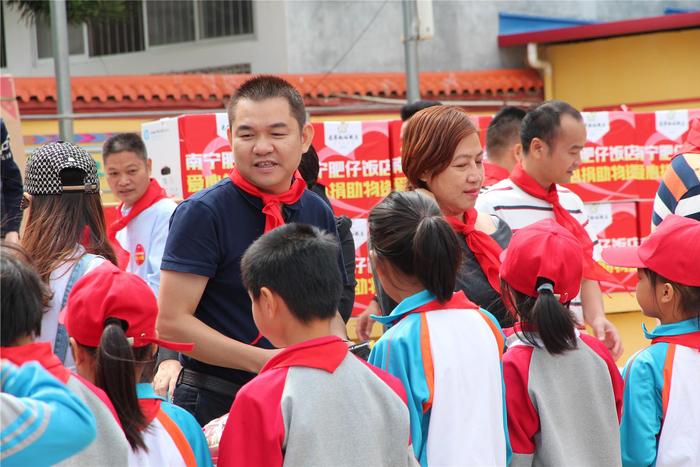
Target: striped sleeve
[
  {"x": 42, "y": 421},
  {"x": 679, "y": 191}
]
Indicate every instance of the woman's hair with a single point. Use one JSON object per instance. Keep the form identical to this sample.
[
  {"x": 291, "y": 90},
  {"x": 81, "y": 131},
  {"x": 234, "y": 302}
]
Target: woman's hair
[
  {"x": 689, "y": 296},
  {"x": 24, "y": 296},
  {"x": 430, "y": 140},
  {"x": 57, "y": 224},
  {"x": 544, "y": 315},
  {"x": 408, "y": 230},
  {"x": 115, "y": 373}
]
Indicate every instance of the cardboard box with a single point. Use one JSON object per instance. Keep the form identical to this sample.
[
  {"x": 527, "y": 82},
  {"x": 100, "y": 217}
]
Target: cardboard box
[
  {"x": 617, "y": 226},
  {"x": 356, "y": 170},
  {"x": 189, "y": 152}
]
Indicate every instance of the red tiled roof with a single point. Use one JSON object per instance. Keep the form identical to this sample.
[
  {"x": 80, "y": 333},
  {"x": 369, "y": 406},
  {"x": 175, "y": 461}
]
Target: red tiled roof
[
  {"x": 600, "y": 30},
  {"x": 191, "y": 91}
]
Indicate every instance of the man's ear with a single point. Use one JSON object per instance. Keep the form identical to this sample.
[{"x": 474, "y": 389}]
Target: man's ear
[
  {"x": 307, "y": 136},
  {"x": 229, "y": 135},
  {"x": 538, "y": 148},
  {"x": 149, "y": 166},
  {"x": 517, "y": 152}
]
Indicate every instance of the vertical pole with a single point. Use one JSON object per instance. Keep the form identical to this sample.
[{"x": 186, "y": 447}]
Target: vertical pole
[
  {"x": 410, "y": 33},
  {"x": 59, "y": 36}
]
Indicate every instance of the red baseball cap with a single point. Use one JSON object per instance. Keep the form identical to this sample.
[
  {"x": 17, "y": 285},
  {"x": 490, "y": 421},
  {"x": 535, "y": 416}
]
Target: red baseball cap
[
  {"x": 544, "y": 250},
  {"x": 670, "y": 251},
  {"x": 108, "y": 292}
]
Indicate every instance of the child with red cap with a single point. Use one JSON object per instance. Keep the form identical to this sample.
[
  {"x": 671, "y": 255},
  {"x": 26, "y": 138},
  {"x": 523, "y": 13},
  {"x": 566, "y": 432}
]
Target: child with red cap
[
  {"x": 110, "y": 317},
  {"x": 563, "y": 390},
  {"x": 24, "y": 297},
  {"x": 661, "y": 420}
]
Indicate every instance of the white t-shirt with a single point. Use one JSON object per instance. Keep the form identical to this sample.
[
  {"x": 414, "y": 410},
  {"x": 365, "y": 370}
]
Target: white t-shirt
[
  {"x": 57, "y": 282},
  {"x": 144, "y": 238},
  {"x": 518, "y": 209}
]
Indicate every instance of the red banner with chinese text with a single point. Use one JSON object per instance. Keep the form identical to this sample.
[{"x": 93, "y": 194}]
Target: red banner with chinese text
[{"x": 356, "y": 171}]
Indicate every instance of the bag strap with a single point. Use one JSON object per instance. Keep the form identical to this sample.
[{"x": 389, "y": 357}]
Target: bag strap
[{"x": 60, "y": 346}]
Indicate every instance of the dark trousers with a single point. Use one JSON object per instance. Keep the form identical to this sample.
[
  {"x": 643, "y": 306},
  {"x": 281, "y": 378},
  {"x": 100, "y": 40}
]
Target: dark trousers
[{"x": 204, "y": 404}]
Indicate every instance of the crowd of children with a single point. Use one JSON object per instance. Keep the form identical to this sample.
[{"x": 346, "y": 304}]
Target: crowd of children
[{"x": 247, "y": 305}]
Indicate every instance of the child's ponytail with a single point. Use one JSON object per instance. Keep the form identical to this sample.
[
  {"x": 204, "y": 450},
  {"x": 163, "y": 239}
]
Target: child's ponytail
[
  {"x": 436, "y": 256},
  {"x": 115, "y": 374},
  {"x": 553, "y": 321},
  {"x": 542, "y": 316},
  {"x": 408, "y": 231}
]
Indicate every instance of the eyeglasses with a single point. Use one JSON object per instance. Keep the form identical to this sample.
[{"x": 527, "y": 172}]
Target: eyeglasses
[{"x": 26, "y": 201}]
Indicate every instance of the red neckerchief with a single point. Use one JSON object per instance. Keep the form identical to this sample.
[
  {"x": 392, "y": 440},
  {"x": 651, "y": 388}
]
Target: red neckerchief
[
  {"x": 493, "y": 173},
  {"x": 40, "y": 352},
  {"x": 591, "y": 269},
  {"x": 692, "y": 141},
  {"x": 272, "y": 204},
  {"x": 149, "y": 409},
  {"x": 153, "y": 194},
  {"x": 691, "y": 339},
  {"x": 486, "y": 250},
  {"x": 324, "y": 353}
]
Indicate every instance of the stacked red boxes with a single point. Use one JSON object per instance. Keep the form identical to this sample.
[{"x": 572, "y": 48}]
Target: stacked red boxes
[
  {"x": 356, "y": 171},
  {"x": 189, "y": 152}
]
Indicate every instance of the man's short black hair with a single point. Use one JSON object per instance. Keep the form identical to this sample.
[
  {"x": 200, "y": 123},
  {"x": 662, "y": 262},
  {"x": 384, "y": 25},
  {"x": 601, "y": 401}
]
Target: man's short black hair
[
  {"x": 309, "y": 166},
  {"x": 24, "y": 296},
  {"x": 124, "y": 142},
  {"x": 299, "y": 263},
  {"x": 543, "y": 122},
  {"x": 267, "y": 87},
  {"x": 409, "y": 110},
  {"x": 504, "y": 129}
]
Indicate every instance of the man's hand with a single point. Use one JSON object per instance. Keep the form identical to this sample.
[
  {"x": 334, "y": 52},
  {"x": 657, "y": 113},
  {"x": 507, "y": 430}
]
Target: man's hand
[
  {"x": 594, "y": 315},
  {"x": 364, "y": 322},
  {"x": 607, "y": 333},
  {"x": 166, "y": 378},
  {"x": 12, "y": 237}
]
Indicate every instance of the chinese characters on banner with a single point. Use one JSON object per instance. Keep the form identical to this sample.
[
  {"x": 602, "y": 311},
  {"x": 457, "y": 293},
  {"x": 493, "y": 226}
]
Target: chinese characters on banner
[
  {"x": 625, "y": 156},
  {"x": 206, "y": 151},
  {"x": 355, "y": 169}
]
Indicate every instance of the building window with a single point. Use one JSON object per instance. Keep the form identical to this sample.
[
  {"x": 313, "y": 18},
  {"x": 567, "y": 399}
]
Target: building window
[
  {"x": 220, "y": 19},
  {"x": 44, "y": 42},
  {"x": 170, "y": 22},
  {"x": 118, "y": 36},
  {"x": 153, "y": 23}
]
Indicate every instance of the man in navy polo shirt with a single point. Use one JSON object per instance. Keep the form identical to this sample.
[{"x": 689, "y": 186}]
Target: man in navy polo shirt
[{"x": 202, "y": 299}]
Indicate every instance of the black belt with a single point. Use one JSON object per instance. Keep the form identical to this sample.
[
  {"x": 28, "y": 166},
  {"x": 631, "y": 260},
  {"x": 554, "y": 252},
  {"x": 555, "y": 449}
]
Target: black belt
[{"x": 208, "y": 382}]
